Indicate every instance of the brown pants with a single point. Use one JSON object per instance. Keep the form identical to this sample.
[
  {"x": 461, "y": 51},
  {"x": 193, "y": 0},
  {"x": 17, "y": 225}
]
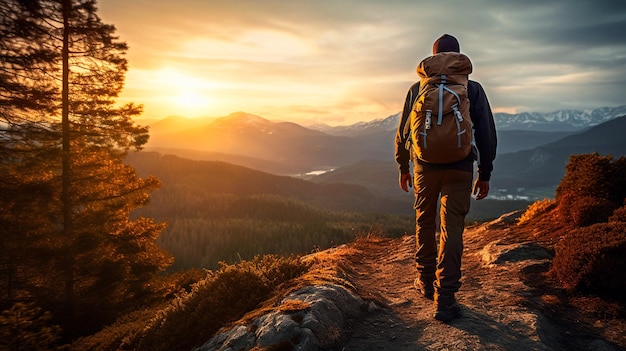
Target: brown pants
[{"x": 455, "y": 188}]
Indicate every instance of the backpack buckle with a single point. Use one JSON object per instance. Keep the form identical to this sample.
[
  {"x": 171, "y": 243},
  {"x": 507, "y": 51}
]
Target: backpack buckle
[{"x": 457, "y": 113}]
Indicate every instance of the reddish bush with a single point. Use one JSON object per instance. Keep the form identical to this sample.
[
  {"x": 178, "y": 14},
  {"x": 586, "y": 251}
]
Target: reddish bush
[
  {"x": 619, "y": 215},
  {"x": 593, "y": 187},
  {"x": 594, "y": 175},
  {"x": 581, "y": 211},
  {"x": 592, "y": 259}
]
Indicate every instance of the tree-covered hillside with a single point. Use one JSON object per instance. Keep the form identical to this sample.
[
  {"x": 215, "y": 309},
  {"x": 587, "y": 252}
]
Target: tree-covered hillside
[{"x": 221, "y": 212}]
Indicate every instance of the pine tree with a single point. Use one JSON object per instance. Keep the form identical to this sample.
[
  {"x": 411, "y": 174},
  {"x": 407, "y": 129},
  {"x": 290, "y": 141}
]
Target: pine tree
[
  {"x": 66, "y": 140},
  {"x": 28, "y": 144}
]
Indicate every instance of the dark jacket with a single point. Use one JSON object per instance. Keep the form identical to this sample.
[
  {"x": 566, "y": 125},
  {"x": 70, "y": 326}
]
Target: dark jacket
[{"x": 484, "y": 135}]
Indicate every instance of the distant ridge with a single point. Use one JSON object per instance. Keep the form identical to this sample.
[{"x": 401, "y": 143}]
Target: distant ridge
[
  {"x": 219, "y": 177},
  {"x": 538, "y": 167},
  {"x": 544, "y": 166},
  {"x": 556, "y": 121},
  {"x": 561, "y": 120},
  {"x": 291, "y": 149},
  {"x": 249, "y": 137},
  {"x": 389, "y": 123},
  {"x": 566, "y": 120}
]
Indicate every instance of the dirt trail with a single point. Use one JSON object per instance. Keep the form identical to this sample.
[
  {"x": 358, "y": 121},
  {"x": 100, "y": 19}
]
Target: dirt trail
[{"x": 500, "y": 312}]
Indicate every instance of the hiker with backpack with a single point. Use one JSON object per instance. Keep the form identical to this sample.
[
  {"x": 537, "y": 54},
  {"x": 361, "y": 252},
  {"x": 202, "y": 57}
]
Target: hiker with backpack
[{"x": 446, "y": 125}]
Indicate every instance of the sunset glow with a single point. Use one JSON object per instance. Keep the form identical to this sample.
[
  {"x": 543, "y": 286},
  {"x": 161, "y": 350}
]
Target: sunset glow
[
  {"x": 188, "y": 95},
  {"x": 344, "y": 62}
]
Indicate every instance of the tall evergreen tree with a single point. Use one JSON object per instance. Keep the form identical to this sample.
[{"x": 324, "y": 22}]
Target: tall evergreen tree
[
  {"x": 66, "y": 140},
  {"x": 28, "y": 142}
]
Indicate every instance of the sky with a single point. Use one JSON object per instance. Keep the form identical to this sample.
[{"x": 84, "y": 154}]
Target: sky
[{"x": 345, "y": 61}]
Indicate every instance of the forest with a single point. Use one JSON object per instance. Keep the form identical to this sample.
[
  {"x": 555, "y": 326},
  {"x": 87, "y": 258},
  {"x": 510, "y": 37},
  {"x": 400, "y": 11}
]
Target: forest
[{"x": 217, "y": 211}]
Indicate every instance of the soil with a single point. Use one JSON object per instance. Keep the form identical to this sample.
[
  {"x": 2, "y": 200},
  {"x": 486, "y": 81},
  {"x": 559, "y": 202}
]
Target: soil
[{"x": 509, "y": 303}]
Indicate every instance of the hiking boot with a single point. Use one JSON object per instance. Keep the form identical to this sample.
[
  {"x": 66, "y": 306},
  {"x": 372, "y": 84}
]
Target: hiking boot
[
  {"x": 425, "y": 289},
  {"x": 448, "y": 313}
]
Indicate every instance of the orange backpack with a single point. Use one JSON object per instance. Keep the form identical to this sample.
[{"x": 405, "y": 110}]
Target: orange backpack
[{"x": 439, "y": 124}]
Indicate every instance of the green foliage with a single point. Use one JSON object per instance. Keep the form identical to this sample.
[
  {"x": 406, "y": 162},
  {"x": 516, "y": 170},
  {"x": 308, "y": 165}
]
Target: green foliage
[
  {"x": 592, "y": 188},
  {"x": 192, "y": 318},
  {"x": 205, "y": 227},
  {"x": 25, "y": 327},
  {"x": 266, "y": 224},
  {"x": 592, "y": 259}
]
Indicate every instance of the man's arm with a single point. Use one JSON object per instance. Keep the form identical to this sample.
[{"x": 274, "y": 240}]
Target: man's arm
[
  {"x": 402, "y": 154},
  {"x": 484, "y": 131}
]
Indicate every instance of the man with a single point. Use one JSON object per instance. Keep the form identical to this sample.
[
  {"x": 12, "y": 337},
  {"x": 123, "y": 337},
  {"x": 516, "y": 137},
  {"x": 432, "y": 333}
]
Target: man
[{"x": 439, "y": 273}]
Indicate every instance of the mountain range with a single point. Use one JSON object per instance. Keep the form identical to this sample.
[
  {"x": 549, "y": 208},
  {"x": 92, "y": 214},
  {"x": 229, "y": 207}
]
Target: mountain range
[
  {"x": 540, "y": 167},
  {"x": 544, "y": 166},
  {"x": 363, "y": 153},
  {"x": 561, "y": 120},
  {"x": 556, "y": 121},
  {"x": 253, "y": 141}
]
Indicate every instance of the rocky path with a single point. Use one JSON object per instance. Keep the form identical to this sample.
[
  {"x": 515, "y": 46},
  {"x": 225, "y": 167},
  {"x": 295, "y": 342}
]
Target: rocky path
[
  {"x": 360, "y": 297},
  {"x": 498, "y": 308}
]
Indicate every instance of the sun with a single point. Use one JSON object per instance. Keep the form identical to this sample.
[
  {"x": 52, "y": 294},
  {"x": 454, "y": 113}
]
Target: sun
[
  {"x": 191, "y": 100},
  {"x": 185, "y": 94}
]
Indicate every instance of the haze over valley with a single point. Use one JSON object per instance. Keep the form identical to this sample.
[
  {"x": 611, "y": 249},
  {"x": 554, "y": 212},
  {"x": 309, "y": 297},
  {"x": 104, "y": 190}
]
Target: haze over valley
[
  {"x": 533, "y": 148},
  {"x": 241, "y": 184}
]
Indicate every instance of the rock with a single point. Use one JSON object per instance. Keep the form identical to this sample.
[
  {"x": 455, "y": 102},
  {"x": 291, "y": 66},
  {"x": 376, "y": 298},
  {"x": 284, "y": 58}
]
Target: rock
[
  {"x": 319, "y": 325},
  {"x": 276, "y": 327},
  {"x": 496, "y": 253},
  {"x": 372, "y": 307},
  {"x": 504, "y": 220}
]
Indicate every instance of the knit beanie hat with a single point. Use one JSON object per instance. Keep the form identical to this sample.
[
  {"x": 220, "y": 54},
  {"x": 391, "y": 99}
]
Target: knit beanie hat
[{"x": 446, "y": 43}]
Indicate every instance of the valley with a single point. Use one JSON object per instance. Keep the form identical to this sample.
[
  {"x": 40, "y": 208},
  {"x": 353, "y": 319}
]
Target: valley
[
  {"x": 241, "y": 185},
  {"x": 533, "y": 148}
]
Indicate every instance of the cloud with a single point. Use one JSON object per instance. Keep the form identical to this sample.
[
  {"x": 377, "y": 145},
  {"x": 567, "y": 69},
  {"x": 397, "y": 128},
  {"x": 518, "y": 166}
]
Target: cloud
[{"x": 355, "y": 59}]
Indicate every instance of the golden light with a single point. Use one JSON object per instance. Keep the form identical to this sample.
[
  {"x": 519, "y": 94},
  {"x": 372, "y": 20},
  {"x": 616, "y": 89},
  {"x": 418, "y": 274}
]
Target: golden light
[
  {"x": 191, "y": 100},
  {"x": 186, "y": 95}
]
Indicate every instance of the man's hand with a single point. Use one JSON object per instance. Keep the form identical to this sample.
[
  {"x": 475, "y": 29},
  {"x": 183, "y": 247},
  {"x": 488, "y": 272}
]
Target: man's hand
[
  {"x": 406, "y": 181},
  {"x": 481, "y": 189}
]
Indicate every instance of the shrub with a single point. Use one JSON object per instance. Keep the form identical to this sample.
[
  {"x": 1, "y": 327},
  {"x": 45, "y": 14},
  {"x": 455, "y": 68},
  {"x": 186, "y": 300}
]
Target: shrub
[
  {"x": 223, "y": 297},
  {"x": 592, "y": 259},
  {"x": 619, "y": 215},
  {"x": 581, "y": 211},
  {"x": 121, "y": 335},
  {"x": 594, "y": 175},
  {"x": 592, "y": 188},
  {"x": 535, "y": 209},
  {"x": 193, "y": 317}
]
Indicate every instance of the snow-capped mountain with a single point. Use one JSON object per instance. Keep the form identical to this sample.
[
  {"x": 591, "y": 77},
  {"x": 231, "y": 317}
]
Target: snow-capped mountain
[
  {"x": 561, "y": 120},
  {"x": 361, "y": 128}
]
